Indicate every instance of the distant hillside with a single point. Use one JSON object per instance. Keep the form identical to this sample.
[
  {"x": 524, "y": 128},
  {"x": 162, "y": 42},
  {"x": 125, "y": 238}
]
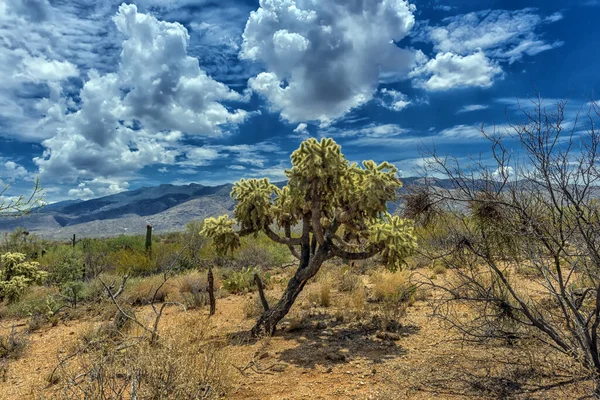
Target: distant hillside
[{"x": 167, "y": 207}]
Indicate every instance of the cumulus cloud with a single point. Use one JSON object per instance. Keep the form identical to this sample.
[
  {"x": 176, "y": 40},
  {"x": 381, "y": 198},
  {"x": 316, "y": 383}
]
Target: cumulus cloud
[
  {"x": 10, "y": 171},
  {"x": 448, "y": 71},
  {"x": 98, "y": 187},
  {"x": 325, "y": 58},
  {"x": 135, "y": 116},
  {"x": 37, "y": 69},
  {"x": 470, "y": 47}
]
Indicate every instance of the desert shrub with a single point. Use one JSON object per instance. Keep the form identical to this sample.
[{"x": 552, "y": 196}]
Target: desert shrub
[
  {"x": 319, "y": 293},
  {"x": 16, "y": 275},
  {"x": 355, "y": 305},
  {"x": 12, "y": 344},
  {"x": 193, "y": 256},
  {"x": 139, "y": 291},
  {"x": 242, "y": 281},
  {"x": 192, "y": 289},
  {"x": 94, "y": 291},
  {"x": 22, "y": 241},
  {"x": 184, "y": 364},
  {"x": 132, "y": 261},
  {"x": 33, "y": 301},
  {"x": 260, "y": 251},
  {"x": 392, "y": 286},
  {"x": 438, "y": 268},
  {"x": 166, "y": 255},
  {"x": 64, "y": 264},
  {"x": 394, "y": 292},
  {"x": 253, "y": 306},
  {"x": 95, "y": 257},
  {"x": 126, "y": 242},
  {"x": 349, "y": 281}
]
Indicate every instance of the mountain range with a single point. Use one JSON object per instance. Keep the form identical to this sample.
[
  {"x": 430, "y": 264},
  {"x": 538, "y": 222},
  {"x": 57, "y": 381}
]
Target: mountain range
[{"x": 167, "y": 208}]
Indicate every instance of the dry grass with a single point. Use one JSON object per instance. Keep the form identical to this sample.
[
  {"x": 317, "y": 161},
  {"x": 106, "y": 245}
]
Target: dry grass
[
  {"x": 319, "y": 293},
  {"x": 392, "y": 286},
  {"x": 184, "y": 364}
]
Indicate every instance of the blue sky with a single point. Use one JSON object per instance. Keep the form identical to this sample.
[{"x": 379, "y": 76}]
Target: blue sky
[{"x": 100, "y": 97}]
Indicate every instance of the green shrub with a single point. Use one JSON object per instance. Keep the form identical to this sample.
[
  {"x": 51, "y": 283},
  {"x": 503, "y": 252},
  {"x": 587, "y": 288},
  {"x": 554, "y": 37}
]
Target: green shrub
[
  {"x": 64, "y": 264},
  {"x": 242, "y": 281},
  {"x": 131, "y": 261},
  {"x": 33, "y": 301}
]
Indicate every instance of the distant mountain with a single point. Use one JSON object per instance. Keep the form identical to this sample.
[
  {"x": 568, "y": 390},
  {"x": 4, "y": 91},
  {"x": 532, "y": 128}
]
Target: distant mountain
[{"x": 167, "y": 207}]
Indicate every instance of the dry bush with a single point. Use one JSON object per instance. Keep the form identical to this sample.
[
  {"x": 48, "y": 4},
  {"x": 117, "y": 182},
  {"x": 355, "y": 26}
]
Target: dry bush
[
  {"x": 349, "y": 282},
  {"x": 392, "y": 286},
  {"x": 184, "y": 364},
  {"x": 139, "y": 291},
  {"x": 253, "y": 306},
  {"x": 438, "y": 269},
  {"x": 394, "y": 292},
  {"x": 355, "y": 305},
  {"x": 191, "y": 289},
  {"x": 319, "y": 293},
  {"x": 12, "y": 344}
]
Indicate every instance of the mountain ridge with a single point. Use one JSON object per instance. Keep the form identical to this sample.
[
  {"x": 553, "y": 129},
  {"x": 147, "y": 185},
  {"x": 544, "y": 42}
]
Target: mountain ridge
[{"x": 167, "y": 207}]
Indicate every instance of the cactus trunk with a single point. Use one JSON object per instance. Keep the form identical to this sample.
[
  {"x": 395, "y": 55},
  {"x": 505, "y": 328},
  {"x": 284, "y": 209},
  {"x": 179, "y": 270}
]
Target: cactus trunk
[{"x": 148, "y": 237}]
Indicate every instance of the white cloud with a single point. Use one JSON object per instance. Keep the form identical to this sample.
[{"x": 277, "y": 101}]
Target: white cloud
[
  {"x": 393, "y": 99},
  {"x": 10, "y": 171},
  {"x": 301, "y": 128},
  {"x": 503, "y": 172},
  {"x": 199, "y": 156},
  {"x": 371, "y": 131},
  {"x": 500, "y": 34},
  {"x": 135, "y": 116},
  {"x": 557, "y": 16},
  {"x": 462, "y": 132},
  {"x": 472, "y": 107},
  {"x": 38, "y": 69},
  {"x": 168, "y": 88},
  {"x": 98, "y": 187},
  {"x": 325, "y": 58},
  {"x": 447, "y": 71}
]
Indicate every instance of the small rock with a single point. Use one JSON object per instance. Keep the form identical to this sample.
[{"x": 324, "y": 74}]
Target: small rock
[{"x": 263, "y": 356}]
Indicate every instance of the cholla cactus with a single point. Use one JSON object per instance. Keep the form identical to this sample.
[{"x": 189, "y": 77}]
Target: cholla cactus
[
  {"x": 16, "y": 275},
  {"x": 341, "y": 209}
]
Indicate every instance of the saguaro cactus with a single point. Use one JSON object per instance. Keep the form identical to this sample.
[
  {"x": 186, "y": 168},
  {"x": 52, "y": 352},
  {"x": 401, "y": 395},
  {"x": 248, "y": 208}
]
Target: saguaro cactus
[
  {"x": 339, "y": 207},
  {"x": 148, "y": 237}
]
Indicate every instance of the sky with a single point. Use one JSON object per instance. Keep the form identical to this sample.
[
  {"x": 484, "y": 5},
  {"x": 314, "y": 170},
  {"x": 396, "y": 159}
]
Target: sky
[{"x": 98, "y": 97}]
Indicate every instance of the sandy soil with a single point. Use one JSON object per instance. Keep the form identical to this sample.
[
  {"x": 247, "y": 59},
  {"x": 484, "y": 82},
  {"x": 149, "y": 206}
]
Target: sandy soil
[{"x": 330, "y": 359}]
